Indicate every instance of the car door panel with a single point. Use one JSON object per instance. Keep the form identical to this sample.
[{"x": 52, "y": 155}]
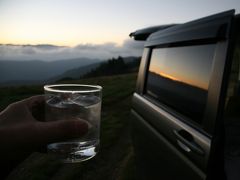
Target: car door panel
[
  {"x": 169, "y": 126},
  {"x": 159, "y": 159}
]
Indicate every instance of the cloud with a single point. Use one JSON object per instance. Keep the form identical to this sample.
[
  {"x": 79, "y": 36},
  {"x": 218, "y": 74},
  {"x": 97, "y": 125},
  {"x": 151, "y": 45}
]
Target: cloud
[{"x": 51, "y": 52}]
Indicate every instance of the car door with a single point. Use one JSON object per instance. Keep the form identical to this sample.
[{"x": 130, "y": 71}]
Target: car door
[{"x": 179, "y": 100}]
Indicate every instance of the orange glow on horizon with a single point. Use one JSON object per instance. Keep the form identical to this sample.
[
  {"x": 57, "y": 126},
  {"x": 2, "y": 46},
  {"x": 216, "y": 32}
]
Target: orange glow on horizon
[
  {"x": 69, "y": 42},
  {"x": 67, "y": 37},
  {"x": 189, "y": 81},
  {"x": 168, "y": 76}
]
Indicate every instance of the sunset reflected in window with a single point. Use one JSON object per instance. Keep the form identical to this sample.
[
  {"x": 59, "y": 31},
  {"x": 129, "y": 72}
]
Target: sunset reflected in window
[{"x": 179, "y": 78}]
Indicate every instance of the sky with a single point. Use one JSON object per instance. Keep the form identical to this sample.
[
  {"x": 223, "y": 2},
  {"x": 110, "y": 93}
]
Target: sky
[{"x": 93, "y": 23}]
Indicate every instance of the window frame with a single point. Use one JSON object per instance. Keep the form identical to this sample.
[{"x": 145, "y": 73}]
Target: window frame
[{"x": 215, "y": 93}]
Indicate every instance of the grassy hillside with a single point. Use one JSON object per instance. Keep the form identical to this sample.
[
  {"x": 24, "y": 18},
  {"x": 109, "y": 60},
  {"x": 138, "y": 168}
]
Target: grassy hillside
[{"x": 115, "y": 159}]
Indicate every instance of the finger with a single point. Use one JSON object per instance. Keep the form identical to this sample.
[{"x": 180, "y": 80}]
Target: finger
[
  {"x": 56, "y": 131},
  {"x": 34, "y": 100},
  {"x": 24, "y": 107}
]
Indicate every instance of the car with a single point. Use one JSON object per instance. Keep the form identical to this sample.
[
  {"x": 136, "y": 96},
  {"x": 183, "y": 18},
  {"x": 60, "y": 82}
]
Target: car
[{"x": 186, "y": 105}]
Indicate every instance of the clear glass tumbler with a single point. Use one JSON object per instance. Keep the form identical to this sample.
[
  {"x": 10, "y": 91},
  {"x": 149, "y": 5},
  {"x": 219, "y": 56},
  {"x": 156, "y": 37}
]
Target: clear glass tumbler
[{"x": 75, "y": 101}]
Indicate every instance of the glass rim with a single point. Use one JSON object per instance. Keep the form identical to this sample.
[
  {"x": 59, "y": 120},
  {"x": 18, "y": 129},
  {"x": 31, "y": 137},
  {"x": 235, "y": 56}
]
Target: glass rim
[{"x": 51, "y": 88}]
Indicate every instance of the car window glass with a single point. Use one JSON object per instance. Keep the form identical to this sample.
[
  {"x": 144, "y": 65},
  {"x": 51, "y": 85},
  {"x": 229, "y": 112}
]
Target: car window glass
[{"x": 179, "y": 78}]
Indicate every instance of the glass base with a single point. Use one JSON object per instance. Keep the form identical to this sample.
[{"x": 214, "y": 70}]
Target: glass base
[{"x": 74, "y": 152}]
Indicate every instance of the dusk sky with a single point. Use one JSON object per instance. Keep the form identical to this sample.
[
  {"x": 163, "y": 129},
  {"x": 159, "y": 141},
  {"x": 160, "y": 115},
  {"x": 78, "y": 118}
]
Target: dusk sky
[
  {"x": 73, "y": 22},
  {"x": 92, "y": 28}
]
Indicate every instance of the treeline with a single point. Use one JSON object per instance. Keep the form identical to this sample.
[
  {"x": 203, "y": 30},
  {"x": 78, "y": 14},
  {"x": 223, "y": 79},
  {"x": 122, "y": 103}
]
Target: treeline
[{"x": 115, "y": 66}]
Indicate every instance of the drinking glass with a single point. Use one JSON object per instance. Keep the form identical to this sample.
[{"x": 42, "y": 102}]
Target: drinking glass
[{"x": 79, "y": 102}]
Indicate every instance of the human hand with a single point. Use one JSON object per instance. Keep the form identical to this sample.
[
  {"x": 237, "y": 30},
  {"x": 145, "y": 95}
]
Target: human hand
[{"x": 21, "y": 133}]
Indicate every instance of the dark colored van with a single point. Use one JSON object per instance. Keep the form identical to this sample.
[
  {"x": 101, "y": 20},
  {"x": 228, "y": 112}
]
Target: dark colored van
[{"x": 187, "y": 100}]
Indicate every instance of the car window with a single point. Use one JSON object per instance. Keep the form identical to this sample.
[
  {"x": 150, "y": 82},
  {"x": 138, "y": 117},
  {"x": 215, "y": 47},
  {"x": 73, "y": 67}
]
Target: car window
[{"x": 179, "y": 78}]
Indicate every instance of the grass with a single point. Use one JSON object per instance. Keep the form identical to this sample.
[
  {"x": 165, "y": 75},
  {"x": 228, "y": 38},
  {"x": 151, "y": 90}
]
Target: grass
[{"x": 115, "y": 159}]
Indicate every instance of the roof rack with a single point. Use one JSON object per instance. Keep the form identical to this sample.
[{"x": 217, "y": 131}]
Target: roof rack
[{"x": 142, "y": 34}]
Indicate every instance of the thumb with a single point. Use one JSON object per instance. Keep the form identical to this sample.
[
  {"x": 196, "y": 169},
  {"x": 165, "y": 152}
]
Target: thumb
[{"x": 55, "y": 131}]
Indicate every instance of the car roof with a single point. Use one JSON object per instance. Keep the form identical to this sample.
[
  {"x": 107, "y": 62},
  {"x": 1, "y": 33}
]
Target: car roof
[
  {"x": 210, "y": 27},
  {"x": 153, "y": 33}
]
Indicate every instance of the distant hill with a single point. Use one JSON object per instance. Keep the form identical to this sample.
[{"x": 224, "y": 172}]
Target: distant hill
[
  {"x": 114, "y": 66},
  {"x": 35, "y": 71},
  {"x": 14, "y": 73},
  {"x": 75, "y": 73}
]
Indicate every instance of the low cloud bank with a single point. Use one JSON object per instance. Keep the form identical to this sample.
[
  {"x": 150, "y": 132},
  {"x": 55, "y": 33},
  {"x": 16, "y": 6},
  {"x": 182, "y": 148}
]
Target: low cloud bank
[{"x": 47, "y": 52}]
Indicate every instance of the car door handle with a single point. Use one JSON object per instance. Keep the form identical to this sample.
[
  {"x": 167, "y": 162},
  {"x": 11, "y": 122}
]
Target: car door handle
[{"x": 186, "y": 142}]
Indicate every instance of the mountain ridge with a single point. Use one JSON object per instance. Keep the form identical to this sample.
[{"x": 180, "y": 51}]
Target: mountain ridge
[
  {"x": 14, "y": 73},
  {"x": 38, "y": 70}
]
